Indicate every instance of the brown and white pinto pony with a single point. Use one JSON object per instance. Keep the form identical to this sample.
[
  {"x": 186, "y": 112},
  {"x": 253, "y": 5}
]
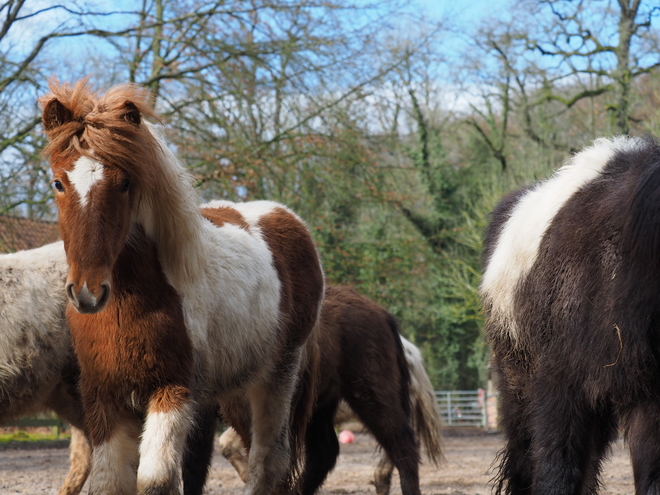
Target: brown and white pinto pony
[
  {"x": 571, "y": 289},
  {"x": 174, "y": 308},
  {"x": 365, "y": 362},
  {"x": 38, "y": 369}
]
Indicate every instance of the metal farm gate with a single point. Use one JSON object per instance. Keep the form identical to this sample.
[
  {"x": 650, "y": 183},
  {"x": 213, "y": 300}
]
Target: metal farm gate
[{"x": 467, "y": 408}]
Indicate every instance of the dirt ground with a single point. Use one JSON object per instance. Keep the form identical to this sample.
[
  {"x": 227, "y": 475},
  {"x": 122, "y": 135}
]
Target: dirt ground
[{"x": 466, "y": 471}]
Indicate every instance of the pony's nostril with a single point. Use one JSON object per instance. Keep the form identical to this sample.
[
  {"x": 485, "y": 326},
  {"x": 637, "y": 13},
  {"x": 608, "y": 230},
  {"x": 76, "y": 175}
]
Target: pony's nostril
[
  {"x": 85, "y": 301},
  {"x": 105, "y": 294},
  {"x": 70, "y": 294}
]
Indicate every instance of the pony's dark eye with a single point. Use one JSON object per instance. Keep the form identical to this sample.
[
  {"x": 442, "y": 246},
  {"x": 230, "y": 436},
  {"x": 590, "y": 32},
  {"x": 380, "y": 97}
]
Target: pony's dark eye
[
  {"x": 125, "y": 186},
  {"x": 58, "y": 186}
]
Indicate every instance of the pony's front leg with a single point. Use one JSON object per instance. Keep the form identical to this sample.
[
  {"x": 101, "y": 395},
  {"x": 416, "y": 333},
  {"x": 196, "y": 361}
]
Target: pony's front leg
[
  {"x": 115, "y": 459},
  {"x": 163, "y": 439}
]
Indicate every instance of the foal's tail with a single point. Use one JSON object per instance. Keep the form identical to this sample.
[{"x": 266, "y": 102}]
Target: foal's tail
[
  {"x": 303, "y": 404},
  {"x": 425, "y": 418}
]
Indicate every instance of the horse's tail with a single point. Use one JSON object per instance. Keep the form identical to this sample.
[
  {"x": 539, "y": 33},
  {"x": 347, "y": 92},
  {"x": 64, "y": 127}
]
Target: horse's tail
[
  {"x": 425, "y": 418},
  {"x": 303, "y": 405},
  {"x": 402, "y": 364}
]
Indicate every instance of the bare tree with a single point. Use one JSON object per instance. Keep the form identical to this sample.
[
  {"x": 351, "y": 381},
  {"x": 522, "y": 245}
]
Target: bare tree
[
  {"x": 555, "y": 67},
  {"x": 23, "y": 40},
  {"x": 148, "y": 45},
  {"x": 613, "y": 42},
  {"x": 284, "y": 77}
]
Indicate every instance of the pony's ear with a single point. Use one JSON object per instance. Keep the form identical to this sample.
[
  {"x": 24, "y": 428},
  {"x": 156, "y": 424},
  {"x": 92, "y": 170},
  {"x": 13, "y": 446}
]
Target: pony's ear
[
  {"x": 55, "y": 114},
  {"x": 131, "y": 113}
]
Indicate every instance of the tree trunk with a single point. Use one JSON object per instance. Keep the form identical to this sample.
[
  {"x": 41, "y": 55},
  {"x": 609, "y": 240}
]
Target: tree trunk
[{"x": 623, "y": 74}]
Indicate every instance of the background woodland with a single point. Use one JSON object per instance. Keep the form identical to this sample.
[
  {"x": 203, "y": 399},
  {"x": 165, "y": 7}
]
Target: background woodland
[{"x": 391, "y": 134}]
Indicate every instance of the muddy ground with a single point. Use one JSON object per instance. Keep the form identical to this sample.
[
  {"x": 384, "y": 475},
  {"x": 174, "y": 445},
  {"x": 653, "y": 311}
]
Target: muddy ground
[{"x": 465, "y": 472}]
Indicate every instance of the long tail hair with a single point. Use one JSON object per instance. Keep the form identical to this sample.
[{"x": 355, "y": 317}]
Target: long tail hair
[
  {"x": 424, "y": 415},
  {"x": 303, "y": 404}
]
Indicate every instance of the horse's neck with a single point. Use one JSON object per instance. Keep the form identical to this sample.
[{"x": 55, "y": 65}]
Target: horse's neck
[
  {"x": 139, "y": 266},
  {"x": 170, "y": 216}
]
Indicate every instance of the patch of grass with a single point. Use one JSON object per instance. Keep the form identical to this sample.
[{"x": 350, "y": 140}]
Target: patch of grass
[{"x": 32, "y": 435}]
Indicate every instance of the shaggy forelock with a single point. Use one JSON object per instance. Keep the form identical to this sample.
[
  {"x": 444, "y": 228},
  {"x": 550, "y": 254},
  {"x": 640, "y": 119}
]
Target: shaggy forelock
[{"x": 98, "y": 127}]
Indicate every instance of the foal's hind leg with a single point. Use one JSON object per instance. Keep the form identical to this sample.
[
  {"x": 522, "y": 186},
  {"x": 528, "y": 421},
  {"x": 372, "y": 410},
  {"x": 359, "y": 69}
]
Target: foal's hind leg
[
  {"x": 383, "y": 475},
  {"x": 321, "y": 448},
  {"x": 388, "y": 422},
  {"x": 643, "y": 434},
  {"x": 270, "y": 450}
]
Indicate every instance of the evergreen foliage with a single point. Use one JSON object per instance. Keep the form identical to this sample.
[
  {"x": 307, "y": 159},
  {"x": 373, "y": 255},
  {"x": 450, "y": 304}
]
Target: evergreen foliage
[{"x": 328, "y": 108}]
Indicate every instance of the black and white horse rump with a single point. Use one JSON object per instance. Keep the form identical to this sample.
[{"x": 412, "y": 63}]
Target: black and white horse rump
[{"x": 571, "y": 291}]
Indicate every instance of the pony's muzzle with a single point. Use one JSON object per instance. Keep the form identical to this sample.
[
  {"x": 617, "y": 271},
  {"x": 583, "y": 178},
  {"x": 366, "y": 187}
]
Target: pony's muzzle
[{"x": 85, "y": 301}]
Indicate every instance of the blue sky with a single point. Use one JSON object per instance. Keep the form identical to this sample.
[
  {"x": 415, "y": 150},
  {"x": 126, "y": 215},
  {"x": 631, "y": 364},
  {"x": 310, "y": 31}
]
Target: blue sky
[
  {"x": 465, "y": 13},
  {"x": 463, "y": 18}
]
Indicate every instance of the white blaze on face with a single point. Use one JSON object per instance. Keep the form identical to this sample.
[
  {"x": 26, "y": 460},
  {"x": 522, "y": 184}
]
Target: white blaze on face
[{"x": 86, "y": 172}]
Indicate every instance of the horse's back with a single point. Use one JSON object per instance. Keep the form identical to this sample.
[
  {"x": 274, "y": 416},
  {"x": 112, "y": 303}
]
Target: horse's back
[
  {"x": 222, "y": 215},
  {"x": 368, "y": 338},
  {"x": 560, "y": 237},
  {"x": 359, "y": 316},
  {"x": 293, "y": 256}
]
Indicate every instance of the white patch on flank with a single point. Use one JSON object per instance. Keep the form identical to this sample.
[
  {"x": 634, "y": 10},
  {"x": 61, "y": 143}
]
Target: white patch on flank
[
  {"x": 518, "y": 243},
  {"x": 229, "y": 288},
  {"x": 86, "y": 172},
  {"x": 161, "y": 448}
]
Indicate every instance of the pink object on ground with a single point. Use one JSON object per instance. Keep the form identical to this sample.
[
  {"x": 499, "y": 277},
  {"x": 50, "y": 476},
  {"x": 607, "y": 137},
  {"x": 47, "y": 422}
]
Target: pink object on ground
[{"x": 346, "y": 436}]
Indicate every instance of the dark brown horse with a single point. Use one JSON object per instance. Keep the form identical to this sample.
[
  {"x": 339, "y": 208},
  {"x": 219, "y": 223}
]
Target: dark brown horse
[
  {"x": 364, "y": 363},
  {"x": 571, "y": 289},
  {"x": 173, "y": 308}
]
